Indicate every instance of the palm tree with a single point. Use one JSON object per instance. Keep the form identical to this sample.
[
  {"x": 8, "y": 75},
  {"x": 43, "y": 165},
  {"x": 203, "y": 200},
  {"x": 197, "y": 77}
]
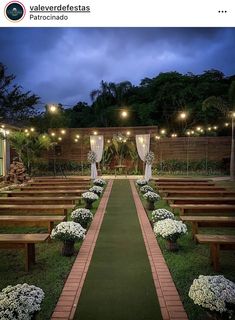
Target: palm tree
[{"x": 225, "y": 107}]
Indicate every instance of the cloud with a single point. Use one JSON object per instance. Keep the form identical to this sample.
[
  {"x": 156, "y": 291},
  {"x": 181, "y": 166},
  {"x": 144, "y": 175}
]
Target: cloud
[{"x": 66, "y": 64}]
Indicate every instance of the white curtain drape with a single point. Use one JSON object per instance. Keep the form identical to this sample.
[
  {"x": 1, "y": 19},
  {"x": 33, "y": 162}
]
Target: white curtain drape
[
  {"x": 143, "y": 144},
  {"x": 97, "y": 145}
]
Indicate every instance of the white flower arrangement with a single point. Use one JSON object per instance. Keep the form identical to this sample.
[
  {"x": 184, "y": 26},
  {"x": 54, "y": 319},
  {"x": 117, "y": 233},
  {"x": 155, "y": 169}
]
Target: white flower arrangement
[
  {"x": 141, "y": 182},
  {"x": 151, "y": 196},
  {"x": 20, "y": 302},
  {"x": 90, "y": 196},
  {"x": 99, "y": 182},
  {"x": 213, "y": 292},
  {"x": 82, "y": 216},
  {"x": 13, "y": 187},
  {"x": 169, "y": 229},
  {"x": 149, "y": 158},
  {"x": 91, "y": 156},
  {"x": 68, "y": 231},
  {"x": 97, "y": 190},
  {"x": 161, "y": 214},
  {"x": 146, "y": 188}
]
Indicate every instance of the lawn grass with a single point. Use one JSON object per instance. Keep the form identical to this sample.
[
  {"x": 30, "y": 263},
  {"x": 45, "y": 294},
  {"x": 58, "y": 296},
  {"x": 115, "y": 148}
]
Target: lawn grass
[
  {"x": 49, "y": 272},
  {"x": 192, "y": 260},
  {"x": 119, "y": 284}
]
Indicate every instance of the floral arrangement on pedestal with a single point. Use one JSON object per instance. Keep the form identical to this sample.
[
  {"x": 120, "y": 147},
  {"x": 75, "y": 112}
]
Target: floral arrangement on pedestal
[
  {"x": 141, "y": 182},
  {"x": 82, "y": 216},
  {"x": 99, "y": 182},
  {"x": 151, "y": 198},
  {"x": 149, "y": 158},
  {"x": 170, "y": 230},
  {"x": 91, "y": 156},
  {"x": 89, "y": 198},
  {"x": 146, "y": 188},
  {"x": 20, "y": 302},
  {"x": 216, "y": 294},
  {"x": 161, "y": 214},
  {"x": 97, "y": 190},
  {"x": 68, "y": 232}
]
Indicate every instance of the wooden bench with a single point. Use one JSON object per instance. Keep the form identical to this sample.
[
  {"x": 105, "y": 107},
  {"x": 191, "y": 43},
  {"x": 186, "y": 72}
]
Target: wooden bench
[
  {"x": 207, "y": 221},
  {"x": 199, "y": 200},
  {"x": 31, "y": 221},
  {"x": 201, "y": 209},
  {"x": 32, "y": 208},
  {"x": 217, "y": 243},
  {"x": 23, "y": 241},
  {"x": 50, "y": 187},
  {"x": 186, "y": 187},
  {"x": 183, "y": 183},
  {"x": 46, "y": 193},
  {"x": 40, "y": 200},
  {"x": 197, "y": 193},
  {"x": 54, "y": 179},
  {"x": 56, "y": 183},
  {"x": 180, "y": 180}
]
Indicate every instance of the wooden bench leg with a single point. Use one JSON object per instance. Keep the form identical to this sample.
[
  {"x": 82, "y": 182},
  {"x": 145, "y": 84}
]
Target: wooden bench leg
[
  {"x": 214, "y": 252},
  {"x": 29, "y": 255},
  {"x": 194, "y": 230}
]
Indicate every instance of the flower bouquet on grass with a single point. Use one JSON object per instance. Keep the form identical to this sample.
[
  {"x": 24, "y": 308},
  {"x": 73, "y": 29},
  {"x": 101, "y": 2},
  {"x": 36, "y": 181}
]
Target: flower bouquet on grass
[
  {"x": 97, "y": 190},
  {"x": 82, "y": 216},
  {"x": 170, "y": 230},
  {"x": 89, "y": 198},
  {"x": 216, "y": 294},
  {"x": 91, "y": 156},
  {"x": 141, "y": 182},
  {"x": 68, "y": 232},
  {"x": 99, "y": 182},
  {"x": 161, "y": 214},
  {"x": 146, "y": 188},
  {"x": 20, "y": 302},
  {"x": 151, "y": 197}
]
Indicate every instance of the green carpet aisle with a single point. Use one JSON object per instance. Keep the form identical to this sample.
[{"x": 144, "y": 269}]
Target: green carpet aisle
[{"x": 119, "y": 283}]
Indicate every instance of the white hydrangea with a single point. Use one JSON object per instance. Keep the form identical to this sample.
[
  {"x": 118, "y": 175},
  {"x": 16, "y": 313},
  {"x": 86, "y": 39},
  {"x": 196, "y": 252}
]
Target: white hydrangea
[
  {"x": 146, "y": 188},
  {"x": 68, "y": 231},
  {"x": 161, "y": 214},
  {"x": 141, "y": 182},
  {"x": 90, "y": 196},
  {"x": 170, "y": 229},
  {"x": 99, "y": 182},
  {"x": 20, "y": 302},
  {"x": 82, "y": 216},
  {"x": 213, "y": 292},
  {"x": 97, "y": 190},
  {"x": 151, "y": 196}
]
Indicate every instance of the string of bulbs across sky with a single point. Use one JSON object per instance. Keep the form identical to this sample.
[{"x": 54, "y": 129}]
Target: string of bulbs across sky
[{"x": 124, "y": 114}]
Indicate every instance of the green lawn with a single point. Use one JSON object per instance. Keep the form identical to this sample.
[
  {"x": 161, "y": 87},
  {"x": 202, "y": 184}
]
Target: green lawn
[
  {"x": 192, "y": 260},
  {"x": 119, "y": 284},
  {"x": 49, "y": 273}
]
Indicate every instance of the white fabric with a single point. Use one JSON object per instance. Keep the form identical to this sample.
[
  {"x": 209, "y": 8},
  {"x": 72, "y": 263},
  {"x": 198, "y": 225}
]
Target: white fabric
[
  {"x": 97, "y": 145},
  {"x": 143, "y": 144}
]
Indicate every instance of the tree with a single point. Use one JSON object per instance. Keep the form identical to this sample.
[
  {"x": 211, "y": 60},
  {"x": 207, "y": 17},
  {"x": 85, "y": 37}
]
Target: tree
[
  {"x": 15, "y": 105},
  {"x": 225, "y": 107}
]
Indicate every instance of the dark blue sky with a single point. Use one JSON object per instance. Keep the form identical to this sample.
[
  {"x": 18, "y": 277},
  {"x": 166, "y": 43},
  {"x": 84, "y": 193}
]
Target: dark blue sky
[{"x": 65, "y": 64}]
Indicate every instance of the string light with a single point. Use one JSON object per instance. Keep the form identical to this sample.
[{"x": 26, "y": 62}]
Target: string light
[
  {"x": 215, "y": 127},
  {"x": 53, "y": 108},
  {"x": 76, "y": 140},
  {"x": 124, "y": 114},
  {"x": 32, "y": 129},
  {"x": 128, "y": 133},
  {"x": 77, "y": 136},
  {"x": 53, "y": 134},
  {"x": 226, "y": 124},
  {"x": 198, "y": 128},
  {"x": 7, "y": 132},
  {"x": 209, "y": 128},
  {"x": 183, "y": 115},
  {"x": 95, "y": 133},
  {"x": 26, "y": 130},
  {"x": 174, "y": 135},
  {"x": 163, "y": 131},
  {"x": 3, "y": 126},
  {"x": 108, "y": 141},
  {"x": 188, "y": 133},
  {"x": 157, "y": 137},
  {"x": 63, "y": 131},
  {"x": 59, "y": 138}
]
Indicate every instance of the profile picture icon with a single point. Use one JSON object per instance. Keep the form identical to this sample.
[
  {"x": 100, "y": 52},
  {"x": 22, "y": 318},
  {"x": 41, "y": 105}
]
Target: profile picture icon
[{"x": 15, "y": 11}]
